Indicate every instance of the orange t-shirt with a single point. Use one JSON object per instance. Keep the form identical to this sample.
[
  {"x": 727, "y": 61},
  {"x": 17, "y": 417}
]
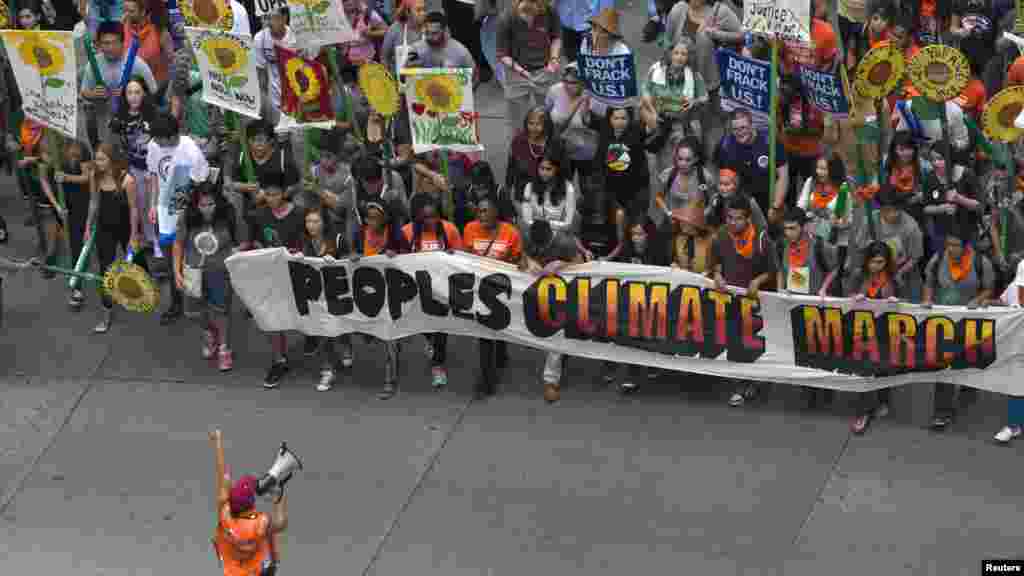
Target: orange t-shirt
[
  {"x": 927, "y": 8},
  {"x": 823, "y": 48},
  {"x": 429, "y": 242},
  {"x": 373, "y": 243},
  {"x": 1015, "y": 76},
  {"x": 972, "y": 99},
  {"x": 243, "y": 543},
  {"x": 505, "y": 245},
  {"x": 149, "y": 48}
]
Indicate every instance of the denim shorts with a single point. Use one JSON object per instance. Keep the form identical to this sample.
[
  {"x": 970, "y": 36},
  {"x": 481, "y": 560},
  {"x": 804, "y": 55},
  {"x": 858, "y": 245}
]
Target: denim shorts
[{"x": 217, "y": 292}]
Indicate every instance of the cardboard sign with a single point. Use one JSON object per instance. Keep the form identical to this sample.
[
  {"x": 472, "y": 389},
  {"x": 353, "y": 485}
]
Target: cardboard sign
[
  {"x": 228, "y": 70},
  {"x": 788, "y": 19},
  {"x": 745, "y": 84},
  {"x": 45, "y": 69},
  {"x": 825, "y": 91}
]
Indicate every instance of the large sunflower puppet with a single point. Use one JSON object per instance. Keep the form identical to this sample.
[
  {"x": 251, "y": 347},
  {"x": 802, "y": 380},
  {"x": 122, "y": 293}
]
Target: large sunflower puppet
[
  {"x": 130, "y": 286},
  {"x": 879, "y": 72},
  {"x": 1001, "y": 112},
  {"x": 305, "y": 91},
  {"x": 939, "y": 72},
  {"x": 214, "y": 14},
  {"x": 5, "y": 15}
]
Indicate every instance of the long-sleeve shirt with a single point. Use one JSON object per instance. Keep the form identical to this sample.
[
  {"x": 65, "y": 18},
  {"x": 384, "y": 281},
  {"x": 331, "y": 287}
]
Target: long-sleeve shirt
[
  {"x": 576, "y": 14},
  {"x": 561, "y": 216}
]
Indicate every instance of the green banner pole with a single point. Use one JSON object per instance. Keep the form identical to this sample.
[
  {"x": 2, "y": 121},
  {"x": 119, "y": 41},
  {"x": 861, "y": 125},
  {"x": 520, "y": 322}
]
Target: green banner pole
[{"x": 773, "y": 93}]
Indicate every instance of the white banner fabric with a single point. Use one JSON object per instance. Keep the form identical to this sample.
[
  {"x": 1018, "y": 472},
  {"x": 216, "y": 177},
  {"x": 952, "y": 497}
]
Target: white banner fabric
[
  {"x": 639, "y": 315},
  {"x": 45, "y": 69},
  {"x": 228, "y": 70}
]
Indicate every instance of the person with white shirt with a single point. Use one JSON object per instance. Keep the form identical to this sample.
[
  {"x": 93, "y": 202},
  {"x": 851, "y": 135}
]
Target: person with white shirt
[
  {"x": 240, "y": 24},
  {"x": 265, "y": 43},
  {"x": 1013, "y": 296},
  {"x": 175, "y": 164}
]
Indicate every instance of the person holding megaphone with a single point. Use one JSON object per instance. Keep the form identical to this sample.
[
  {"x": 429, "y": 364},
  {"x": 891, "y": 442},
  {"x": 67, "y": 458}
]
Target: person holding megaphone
[{"x": 245, "y": 540}]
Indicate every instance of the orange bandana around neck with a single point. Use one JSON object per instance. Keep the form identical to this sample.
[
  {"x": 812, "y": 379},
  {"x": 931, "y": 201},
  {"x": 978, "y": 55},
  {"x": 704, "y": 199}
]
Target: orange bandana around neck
[
  {"x": 823, "y": 195},
  {"x": 744, "y": 242},
  {"x": 959, "y": 270},
  {"x": 798, "y": 252},
  {"x": 877, "y": 283}
]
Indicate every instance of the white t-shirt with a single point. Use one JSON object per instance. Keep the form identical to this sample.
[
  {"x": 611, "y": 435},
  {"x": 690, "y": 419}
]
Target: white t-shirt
[
  {"x": 174, "y": 168},
  {"x": 266, "y": 58},
  {"x": 1012, "y": 294}
]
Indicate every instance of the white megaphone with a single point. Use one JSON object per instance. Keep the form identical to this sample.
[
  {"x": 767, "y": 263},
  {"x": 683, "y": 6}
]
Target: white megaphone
[{"x": 280, "y": 473}]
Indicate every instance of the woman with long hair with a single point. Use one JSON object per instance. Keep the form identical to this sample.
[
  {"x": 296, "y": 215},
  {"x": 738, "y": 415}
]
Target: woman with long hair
[
  {"x": 112, "y": 214},
  {"x": 207, "y": 234},
  {"x": 74, "y": 175},
  {"x": 903, "y": 166},
  {"x": 428, "y": 232},
  {"x": 320, "y": 241},
  {"x": 674, "y": 92},
  {"x": 527, "y": 149},
  {"x": 550, "y": 196},
  {"x": 622, "y": 158},
  {"x": 687, "y": 181},
  {"x": 874, "y": 281},
  {"x": 131, "y": 128}
]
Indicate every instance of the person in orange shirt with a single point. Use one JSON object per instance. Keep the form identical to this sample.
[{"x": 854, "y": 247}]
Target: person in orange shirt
[
  {"x": 1015, "y": 75},
  {"x": 155, "y": 45},
  {"x": 491, "y": 238},
  {"x": 972, "y": 99},
  {"x": 375, "y": 238},
  {"x": 429, "y": 233},
  {"x": 802, "y": 124},
  {"x": 245, "y": 540}
]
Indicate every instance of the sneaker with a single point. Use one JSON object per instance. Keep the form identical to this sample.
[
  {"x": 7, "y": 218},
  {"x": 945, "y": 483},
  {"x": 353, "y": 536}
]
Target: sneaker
[
  {"x": 941, "y": 422},
  {"x": 326, "y": 380},
  {"x": 653, "y": 374},
  {"x": 171, "y": 315},
  {"x": 860, "y": 424},
  {"x": 428, "y": 348},
  {"x": 76, "y": 299},
  {"x": 274, "y": 375},
  {"x": 311, "y": 345},
  {"x": 225, "y": 359},
  {"x": 882, "y": 411},
  {"x": 627, "y": 387},
  {"x": 742, "y": 395},
  {"x": 209, "y": 344},
  {"x": 440, "y": 377},
  {"x": 608, "y": 372},
  {"x": 1007, "y": 433},
  {"x": 104, "y": 326},
  {"x": 388, "y": 392},
  {"x": 552, "y": 393},
  {"x": 346, "y": 356}
]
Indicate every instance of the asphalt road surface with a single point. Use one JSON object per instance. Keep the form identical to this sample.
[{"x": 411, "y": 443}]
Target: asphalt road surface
[{"x": 105, "y": 465}]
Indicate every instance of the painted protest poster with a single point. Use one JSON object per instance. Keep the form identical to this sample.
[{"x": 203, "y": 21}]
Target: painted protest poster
[
  {"x": 45, "y": 68},
  {"x": 825, "y": 91},
  {"x": 441, "y": 112},
  {"x": 227, "y": 69},
  {"x": 745, "y": 84},
  {"x": 609, "y": 79},
  {"x": 788, "y": 19},
  {"x": 319, "y": 22}
]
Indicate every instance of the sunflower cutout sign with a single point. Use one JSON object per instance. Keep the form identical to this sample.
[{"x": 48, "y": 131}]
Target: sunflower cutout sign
[
  {"x": 228, "y": 70},
  {"x": 380, "y": 88},
  {"x": 44, "y": 67},
  {"x": 879, "y": 72},
  {"x": 939, "y": 72},
  {"x": 1001, "y": 112},
  {"x": 5, "y": 15},
  {"x": 305, "y": 91},
  {"x": 319, "y": 22},
  {"x": 210, "y": 14},
  {"x": 441, "y": 110}
]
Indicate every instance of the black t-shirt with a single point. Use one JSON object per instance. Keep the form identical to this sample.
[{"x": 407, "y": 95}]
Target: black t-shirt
[
  {"x": 750, "y": 162},
  {"x": 562, "y": 247},
  {"x": 938, "y": 225},
  {"x": 272, "y": 232},
  {"x": 979, "y": 16},
  {"x": 278, "y": 162}
]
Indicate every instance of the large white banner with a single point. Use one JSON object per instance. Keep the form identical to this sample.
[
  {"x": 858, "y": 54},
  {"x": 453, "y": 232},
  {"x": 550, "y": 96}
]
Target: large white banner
[
  {"x": 228, "y": 70},
  {"x": 44, "y": 66},
  {"x": 788, "y": 19},
  {"x": 319, "y": 22},
  {"x": 640, "y": 315}
]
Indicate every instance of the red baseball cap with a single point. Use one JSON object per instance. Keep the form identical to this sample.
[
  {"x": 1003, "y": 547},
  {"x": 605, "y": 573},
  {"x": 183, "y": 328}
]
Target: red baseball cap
[{"x": 243, "y": 494}]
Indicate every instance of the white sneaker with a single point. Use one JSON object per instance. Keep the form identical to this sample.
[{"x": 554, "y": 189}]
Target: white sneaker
[
  {"x": 326, "y": 381},
  {"x": 428, "y": 348},
  {"x": 1007, "y": 433},
  {"x": 882, "y": 411},
  {"x": 346, "y": 356}
]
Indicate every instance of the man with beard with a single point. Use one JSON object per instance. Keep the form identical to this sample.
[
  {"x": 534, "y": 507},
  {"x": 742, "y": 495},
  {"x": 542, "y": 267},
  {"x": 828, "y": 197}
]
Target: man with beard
[{"x": 745, "y": 151}]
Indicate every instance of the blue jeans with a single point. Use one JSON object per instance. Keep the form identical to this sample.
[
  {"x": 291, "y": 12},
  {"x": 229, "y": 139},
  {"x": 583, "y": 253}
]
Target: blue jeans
[{"x": 1015, "y": 411}]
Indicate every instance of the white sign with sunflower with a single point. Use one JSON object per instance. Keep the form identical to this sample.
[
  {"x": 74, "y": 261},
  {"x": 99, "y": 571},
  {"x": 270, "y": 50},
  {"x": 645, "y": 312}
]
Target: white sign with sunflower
[
  {"x": 441, "y": 109},
  {"x": 227, "y": 69},
  {"x": 319, "y": 23},
  {"x": 44, "y": 66}
]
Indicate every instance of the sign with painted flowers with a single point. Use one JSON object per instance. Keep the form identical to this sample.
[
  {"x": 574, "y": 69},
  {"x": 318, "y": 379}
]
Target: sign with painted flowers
[
  {"x": 441, "y": 112},
  {"x": 227, "y": 69}
]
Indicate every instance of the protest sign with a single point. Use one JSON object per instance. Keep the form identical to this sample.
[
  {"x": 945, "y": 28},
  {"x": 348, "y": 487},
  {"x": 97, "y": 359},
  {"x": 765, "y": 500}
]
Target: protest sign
[
  {"x": 639, "y": 315},
  {"x": 825, "y": 91},
  {"x": 788, "y": 19},
  {"x": 745, "y": 84},
  {"x": 264, "y": 7},
  {"x": 441, "y": 112},
  {"x": 318, "y": 23},
  {"x": 44, "y": 66},
  {"x": 228, "y": 73},
  {"x": 609, "y": 79}
]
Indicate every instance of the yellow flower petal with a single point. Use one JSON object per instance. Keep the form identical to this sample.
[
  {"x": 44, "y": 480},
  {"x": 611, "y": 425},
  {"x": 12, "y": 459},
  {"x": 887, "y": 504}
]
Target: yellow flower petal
[
  {"x": 207, "y": 13},
  {"x": 939, "y": 72},
  {"x": 879, "y": 72},
  {"x": 303, "y": 81},
  {"x": 41, "y": 55},
  {"x": 380, "y": 88},
  {"x": 440, "y": 94},
  {"x": 1001, "y": 111},
  {"x": 225, "y": 55}
]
